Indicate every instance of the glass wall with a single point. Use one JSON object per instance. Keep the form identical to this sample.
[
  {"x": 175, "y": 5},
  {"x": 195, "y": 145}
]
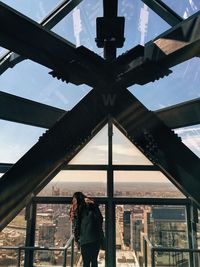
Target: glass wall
[
  {"x": 65, "y": 183},
  {"x": 164, "y": 226},
  {"x": 143, "y": 184},
  {"x": 13, "y": 235}
]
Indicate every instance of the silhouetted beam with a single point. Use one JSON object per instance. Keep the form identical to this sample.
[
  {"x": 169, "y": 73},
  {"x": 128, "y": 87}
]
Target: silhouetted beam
[
  {"x": 110, "y": 11},
  {"x": 161, "y": 145},
  {"x": 164, "y": 11},
  {"x": 181, "y": 115},
  {"x": 176, "y": 45},
  {"x": 29, "y": 39},
  {"x": 10, "y": 59},
  {"x": 21, "y": 110},
  {"x": 4, "y": 167},
  {"x": 140, "y": 66},
  {"x": 54, "y": 148}
]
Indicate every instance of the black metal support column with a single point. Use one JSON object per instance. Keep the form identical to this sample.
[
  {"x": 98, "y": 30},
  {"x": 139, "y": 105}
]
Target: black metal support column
[
  {"x": 110, "y": 208},
  {"x": 110, "y": 11},
  {"x": 30, "y": 233}
]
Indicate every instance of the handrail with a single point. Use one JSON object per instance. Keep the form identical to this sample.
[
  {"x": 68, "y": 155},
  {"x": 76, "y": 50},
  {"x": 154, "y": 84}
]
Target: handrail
[
  {"x": 19, "y": 249},
  {"x": 155, "y": 249}
]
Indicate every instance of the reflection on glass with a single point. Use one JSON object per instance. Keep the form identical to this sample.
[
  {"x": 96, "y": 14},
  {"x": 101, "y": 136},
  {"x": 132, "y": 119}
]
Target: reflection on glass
[
  {"x": 184, "y": 8},
  {"x": 190, "y": 136},
  {"x": 164, "y": 226},
  {"x": 16, "y": 139},
  {"x": 96, "y": 151},
  {"x": 14, "y": 234},
  {"x": 124, "y": 152},
  {"x": 144, "y": 184},
  {"x": 65, "y": 183},
  {"x": 34, "y": 9}
]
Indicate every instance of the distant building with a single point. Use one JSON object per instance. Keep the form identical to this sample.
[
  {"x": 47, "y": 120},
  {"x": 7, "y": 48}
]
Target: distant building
[
  {"x": 46, "y": 239},
  {"x": 126, "y": 227}
]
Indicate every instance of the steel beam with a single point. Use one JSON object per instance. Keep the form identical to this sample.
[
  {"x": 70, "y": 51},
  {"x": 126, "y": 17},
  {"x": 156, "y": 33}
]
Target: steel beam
[
  {"x": 161, "y": 146},
  {"x": 142, "y": 65},
  {"x": 4, "y": 167},
  {"x": 176, "y": 45},
  {"x": 29, "y": 39},
  {"x": 21, "y": 110},
  {"x": 10, "y": 59},
  {"x": 61, "y": 142},
  {"x": 55, "y": 147},
  {"x": 164, "y": 11},
  {"x": 110, "y": 11},
  {"x": 181, "y": 115}
]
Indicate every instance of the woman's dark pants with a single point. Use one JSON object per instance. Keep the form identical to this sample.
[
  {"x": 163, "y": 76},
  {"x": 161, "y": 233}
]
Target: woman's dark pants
[{"x": 89, "y": 254}]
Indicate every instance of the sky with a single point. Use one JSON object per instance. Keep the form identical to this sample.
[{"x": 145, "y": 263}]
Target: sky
[{"x": 31, "y": 80}]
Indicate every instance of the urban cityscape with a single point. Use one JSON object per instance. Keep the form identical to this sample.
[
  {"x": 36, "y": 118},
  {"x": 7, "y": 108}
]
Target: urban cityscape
[{"x": 165, "y": 226}]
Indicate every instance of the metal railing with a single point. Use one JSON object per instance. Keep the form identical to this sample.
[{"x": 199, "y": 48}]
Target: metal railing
[
  {"x": 19, "y": 249},
  {"x": 150, "y": 260}
]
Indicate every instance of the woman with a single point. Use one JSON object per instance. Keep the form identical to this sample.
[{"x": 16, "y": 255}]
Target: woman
[{"x": 87, "y": 227}]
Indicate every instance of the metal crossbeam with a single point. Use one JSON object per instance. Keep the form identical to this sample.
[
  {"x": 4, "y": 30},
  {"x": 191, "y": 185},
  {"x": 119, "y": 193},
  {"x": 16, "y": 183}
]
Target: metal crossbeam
[
  {"x": 31, "y": 40},
  {"x": 181, "y": 115},
  {"x": 21, "y": 110},
  {"x": 164, "y": 11},
  {"x": 61, "y": 143},
  {"x": 10, "y": 59},
  {"x": 142, "y": 65}
]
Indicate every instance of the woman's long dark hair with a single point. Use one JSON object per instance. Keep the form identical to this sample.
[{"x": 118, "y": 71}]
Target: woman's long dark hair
[{"x": 80, "y": 197}]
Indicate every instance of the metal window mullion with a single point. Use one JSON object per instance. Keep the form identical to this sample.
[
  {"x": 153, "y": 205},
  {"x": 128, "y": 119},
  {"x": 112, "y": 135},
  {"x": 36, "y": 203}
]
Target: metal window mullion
[{"x": 189, "y": 232}]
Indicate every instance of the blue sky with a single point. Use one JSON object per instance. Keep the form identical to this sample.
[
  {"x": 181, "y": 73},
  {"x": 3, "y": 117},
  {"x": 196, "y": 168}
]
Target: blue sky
[{"x": 31, "y": 80}]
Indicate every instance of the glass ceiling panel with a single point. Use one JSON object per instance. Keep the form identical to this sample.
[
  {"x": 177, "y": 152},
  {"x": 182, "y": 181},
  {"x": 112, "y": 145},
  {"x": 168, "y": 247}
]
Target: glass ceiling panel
[
  {"x": 34, "y": 9},
  {"x": 173, "y": 89},
  {"x": 32, "y": 81},
  {"x": 16, "y": 139},
  {"x": 185, "y": 8},
  {"x": 141, "y": 23},
  {"x": 79, "y": 26},
  {"x": 190, "y": 137}
]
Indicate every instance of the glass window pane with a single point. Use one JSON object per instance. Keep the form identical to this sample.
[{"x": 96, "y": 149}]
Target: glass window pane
[
  {"x": 124, "y": 152},
  {"x": 2, "y": 51},
  {"x": 53, "y": 229},
  {"x": 65, "y": 183},
  {"x": 190, "y": 137},
  {"x": 81, "y": 24},
  {"x": 14, "y": 234},
  {"x": 96, "y": 151},
  {"x": 164, "y": 226},
  {"x": 141, "y": 23},
  {"x": 33, "y": 81},
  {"x": 34, "y": 9},
  {"x": 173, "y": 89},
  {"x": 16, "y": 139},
  {"x": 144, "y": 184}
]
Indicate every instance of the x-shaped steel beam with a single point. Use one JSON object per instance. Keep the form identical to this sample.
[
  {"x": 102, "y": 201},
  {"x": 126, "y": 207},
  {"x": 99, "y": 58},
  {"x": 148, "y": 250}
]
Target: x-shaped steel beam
[{"x": 79, "y": 65}]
